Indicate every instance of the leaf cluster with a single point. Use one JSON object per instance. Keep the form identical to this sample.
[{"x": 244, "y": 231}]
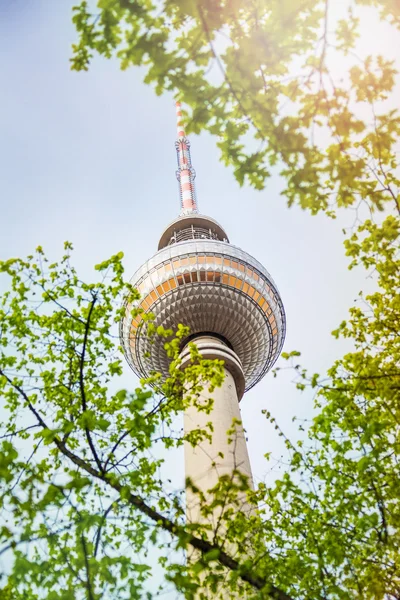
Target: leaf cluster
[{"x": 263, "y": 78}]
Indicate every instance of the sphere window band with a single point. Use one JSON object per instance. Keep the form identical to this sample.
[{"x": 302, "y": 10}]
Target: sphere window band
[
  {"x": 257, "y": 340},
  {"x": 192, "y": 276},
  {"x": 149, "y": 300}
]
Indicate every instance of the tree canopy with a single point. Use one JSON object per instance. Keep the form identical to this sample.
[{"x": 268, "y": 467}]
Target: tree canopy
[
  {"x": 90, "y": 514},
  {"x": 279, "y": 83},
  {"x": 81, "y": 514}
]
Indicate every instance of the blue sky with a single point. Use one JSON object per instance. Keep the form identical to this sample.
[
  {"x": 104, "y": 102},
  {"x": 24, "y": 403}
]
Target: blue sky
[{"x": 90, "y": 158}]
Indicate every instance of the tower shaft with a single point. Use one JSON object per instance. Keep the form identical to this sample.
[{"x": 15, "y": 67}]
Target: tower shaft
[
  {"x": 226, "y": 453},
  {"x": 214, "y": 466}
]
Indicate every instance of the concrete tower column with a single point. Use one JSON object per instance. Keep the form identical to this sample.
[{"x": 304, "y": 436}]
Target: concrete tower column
[{"x": 204, "y": 463}]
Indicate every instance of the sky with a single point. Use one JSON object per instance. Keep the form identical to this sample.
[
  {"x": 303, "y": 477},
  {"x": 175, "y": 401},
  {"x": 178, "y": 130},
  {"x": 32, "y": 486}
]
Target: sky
[{"x": 90, "y": 158}]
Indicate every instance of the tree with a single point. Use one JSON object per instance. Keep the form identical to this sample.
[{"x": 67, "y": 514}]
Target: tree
[
  {"x": 347, "y": 520},
  {"x": 90, "y": 481},
  {"x": 81, "y": 514},
  {"x": 278, "y": 82},
  {"x": 80, "y": 517}
]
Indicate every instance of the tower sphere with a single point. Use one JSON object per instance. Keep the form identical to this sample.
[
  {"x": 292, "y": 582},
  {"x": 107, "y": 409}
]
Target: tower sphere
[{"x": 198, "y": 279}]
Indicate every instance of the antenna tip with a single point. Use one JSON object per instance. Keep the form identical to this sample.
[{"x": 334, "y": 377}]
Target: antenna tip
[{"x": 180, "y": 128}]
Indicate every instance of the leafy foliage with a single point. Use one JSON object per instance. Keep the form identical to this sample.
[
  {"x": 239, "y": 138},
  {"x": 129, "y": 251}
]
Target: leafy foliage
[
  {"x": 69, "y": 510},
  {"x": 349, "y": 517},
  {"x": 279, "y": 83},
  {"x": 82, "y": 495},
  {"x": 86, "y": 509}
]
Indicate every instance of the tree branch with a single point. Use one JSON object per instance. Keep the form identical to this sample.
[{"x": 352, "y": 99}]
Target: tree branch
[
  {"x": 98, "y": 533},
  {"x": 82, "y": 383},
  {"x": 87, "y": 568},
  {"x": 175, "y": 529}
]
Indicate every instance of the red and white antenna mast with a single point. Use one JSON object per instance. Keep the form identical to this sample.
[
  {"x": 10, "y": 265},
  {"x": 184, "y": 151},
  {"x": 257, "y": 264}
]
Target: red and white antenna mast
[{"x": 185, "y": 173}]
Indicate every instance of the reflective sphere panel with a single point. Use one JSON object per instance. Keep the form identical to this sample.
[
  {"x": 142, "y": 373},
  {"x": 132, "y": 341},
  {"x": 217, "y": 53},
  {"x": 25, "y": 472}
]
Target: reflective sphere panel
[{"x": 212, "y": 287}]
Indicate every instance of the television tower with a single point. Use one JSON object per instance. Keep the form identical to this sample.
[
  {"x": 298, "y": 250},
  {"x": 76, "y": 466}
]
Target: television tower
[{"x": 234, "y": 312}]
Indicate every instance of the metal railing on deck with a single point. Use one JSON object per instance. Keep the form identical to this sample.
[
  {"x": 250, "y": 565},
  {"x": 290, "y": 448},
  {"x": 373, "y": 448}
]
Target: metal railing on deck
[{"x": 193, "y": 233}]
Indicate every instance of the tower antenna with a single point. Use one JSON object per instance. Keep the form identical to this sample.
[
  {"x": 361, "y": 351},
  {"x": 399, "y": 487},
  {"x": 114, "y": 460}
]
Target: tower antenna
[{"x": 185, "y": 173}]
